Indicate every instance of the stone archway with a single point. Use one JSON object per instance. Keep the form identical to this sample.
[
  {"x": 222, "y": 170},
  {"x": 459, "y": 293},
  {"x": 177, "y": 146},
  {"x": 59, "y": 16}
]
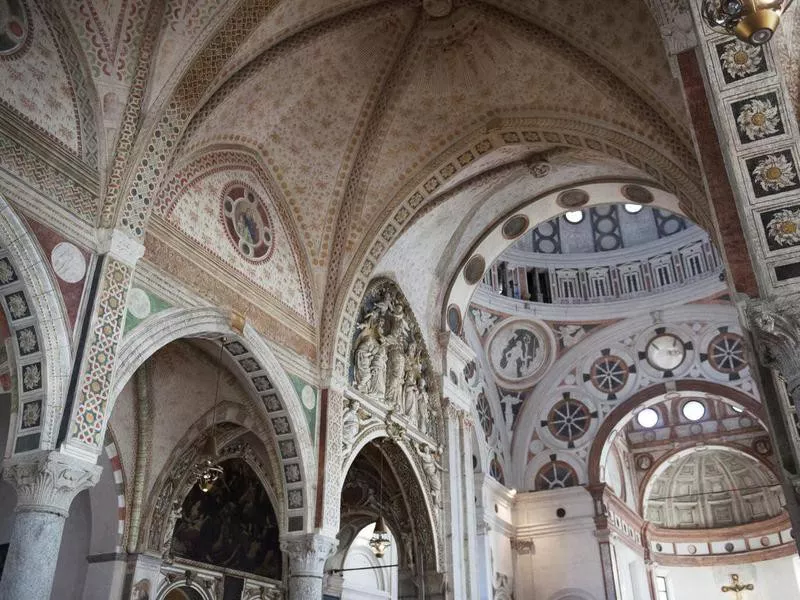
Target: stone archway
[
  {"x": 272, "y": 398},
  {"x": 381, "y": 480},
  {"x": 38, "y": 325}
]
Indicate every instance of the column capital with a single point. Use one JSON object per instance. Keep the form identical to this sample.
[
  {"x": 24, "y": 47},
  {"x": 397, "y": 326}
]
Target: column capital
[
  {"x": 674, "y": 20},
  {"x": 308, "y": 552},
  {"x": 48, "y": 481},
  {"x": 775, "y": 325}
]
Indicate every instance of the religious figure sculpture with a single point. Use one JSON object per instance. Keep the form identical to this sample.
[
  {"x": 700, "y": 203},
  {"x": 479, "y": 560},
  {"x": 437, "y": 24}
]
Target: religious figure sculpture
[
  {"x": 166, "y": 534},
  {"x": 352, "y": 420},
  {"x": 389, "y": 361},
  {"x": 431, "y": 468},
  {"x": 423, "y": 408},
  {"x": 410, "y": 396}
]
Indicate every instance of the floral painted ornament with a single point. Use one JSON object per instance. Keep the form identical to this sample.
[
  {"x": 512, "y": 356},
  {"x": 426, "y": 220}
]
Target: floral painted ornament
[
  {"x": 758, "y": 119},
  {"x": 784, "y": 227},
  {"x": 740, "y": 60},
  {"x": 774, "y": 173}
]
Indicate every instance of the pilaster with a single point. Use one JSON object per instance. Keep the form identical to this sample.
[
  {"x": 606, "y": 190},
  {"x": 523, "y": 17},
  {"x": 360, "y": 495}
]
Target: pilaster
[{"x": 97, "y": 351}]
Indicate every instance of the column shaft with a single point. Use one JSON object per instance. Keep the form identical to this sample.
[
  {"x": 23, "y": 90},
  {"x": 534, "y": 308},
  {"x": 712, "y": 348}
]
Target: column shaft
[{"x": 32, "y": 556}]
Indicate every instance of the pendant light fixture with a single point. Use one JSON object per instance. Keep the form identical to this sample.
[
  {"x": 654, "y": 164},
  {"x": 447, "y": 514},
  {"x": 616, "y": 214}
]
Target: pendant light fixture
[
  {"x": 207, "y": 470},
  {"x": 380, "y": 540}
]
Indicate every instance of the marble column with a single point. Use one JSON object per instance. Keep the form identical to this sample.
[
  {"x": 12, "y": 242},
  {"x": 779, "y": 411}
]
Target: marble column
[
  {"x": 46, "y": 483},
  {"x": 307, "y": 555}
]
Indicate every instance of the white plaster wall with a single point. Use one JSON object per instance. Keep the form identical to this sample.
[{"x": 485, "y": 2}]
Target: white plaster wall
[
  {"x": 631, "y": 573},
  {"x": 566, "y": 554},
  {"x": 773, "y": 580},
  {"x": 369, "y": 584}
]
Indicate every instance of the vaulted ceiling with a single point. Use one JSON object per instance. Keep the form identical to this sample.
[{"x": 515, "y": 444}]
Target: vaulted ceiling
[{"x": 336, "y": 113}]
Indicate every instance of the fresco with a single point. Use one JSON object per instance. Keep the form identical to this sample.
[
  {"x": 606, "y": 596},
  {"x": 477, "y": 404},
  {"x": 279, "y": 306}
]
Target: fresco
[{"x": 232, "y": 526}]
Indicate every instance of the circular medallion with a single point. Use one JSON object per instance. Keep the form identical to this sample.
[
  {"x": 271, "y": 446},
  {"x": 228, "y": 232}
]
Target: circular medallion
[
  {"x": 609, "y": 374},
  {"x": 139, "y": 303},
  {"x": 726, "y": 353},
  {"x": 556, "y": 474},
  {"x": 68, "y": 262},
  {"x": 644, "y": 462},
  {"x": 764, "y": 541},
  {"x": 515, "y": 227},
  {"x": 729, "y": 547},
  {"x": 665, "y": 352},
  {"x": 454, "y": 319},
  {"x": 13, "y": 27},
  {"x": 247, "y": 222},
  {"x": 569, "y": 420},
  {"x": 637, "y": 194},
  {"x": 520, "y": 351},
  {"x": 572, "y": 198},
  {"x": 308, "y": 397},
  {"x": 473, "y": 271},
  {"x": 691, "y": 549}
]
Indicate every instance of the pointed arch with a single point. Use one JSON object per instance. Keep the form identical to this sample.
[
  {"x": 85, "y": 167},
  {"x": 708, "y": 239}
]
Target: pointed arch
[{"x": 272, "y": 397}]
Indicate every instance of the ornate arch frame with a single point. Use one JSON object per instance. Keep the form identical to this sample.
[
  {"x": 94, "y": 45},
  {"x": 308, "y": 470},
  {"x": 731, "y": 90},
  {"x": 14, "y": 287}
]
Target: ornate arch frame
[
  {"x": 175, "y": 481},
  {"x": 622, "y": 413},
  {"x": 419, "y": 500},
  {"x": 272, "y": 399},
  {"x": 424, "y": 191},
  {"x": 41, "y": 346}
]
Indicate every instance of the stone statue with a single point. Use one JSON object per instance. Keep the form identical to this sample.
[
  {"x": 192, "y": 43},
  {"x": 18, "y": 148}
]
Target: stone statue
[
  {"x": 394, "y": 376},
  {"x": 166, "y": 535},
  {"x": 365, "y": 355},
  {"x": 410, "y": 396},
  {"x": 431, "y": 468},
  {"x": 352, "y": 420},
  {"x": 378, "y": 384},
  {"x": 423, "y": 407}
]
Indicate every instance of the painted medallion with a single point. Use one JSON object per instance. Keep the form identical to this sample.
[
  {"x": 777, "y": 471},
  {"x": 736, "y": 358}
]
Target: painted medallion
[{"x": 247, "y": 222}]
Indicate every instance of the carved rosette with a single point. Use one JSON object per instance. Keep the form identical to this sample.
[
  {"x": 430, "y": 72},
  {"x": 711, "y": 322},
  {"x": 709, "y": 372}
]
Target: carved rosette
[
  {"x": 775, "y": 324},
  {"x": 48, "y": 481}
]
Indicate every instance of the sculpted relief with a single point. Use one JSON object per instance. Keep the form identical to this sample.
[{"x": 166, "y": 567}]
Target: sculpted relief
[{"x": 390, "y": 363}]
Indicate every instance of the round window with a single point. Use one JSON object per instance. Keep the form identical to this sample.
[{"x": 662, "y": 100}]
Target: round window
[
  {"x": 574, "y": 216},
  {"x": 647, "y": 418},
  {"x": 694, "y": 410},
  {"x": 632, "y": 208}
]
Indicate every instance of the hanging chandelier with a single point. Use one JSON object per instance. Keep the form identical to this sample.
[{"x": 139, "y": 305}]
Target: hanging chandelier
[
  {"x": 380, "y": 541},
  {"x": 207, "y": 470},
  {"x": 752, "y": 21}
]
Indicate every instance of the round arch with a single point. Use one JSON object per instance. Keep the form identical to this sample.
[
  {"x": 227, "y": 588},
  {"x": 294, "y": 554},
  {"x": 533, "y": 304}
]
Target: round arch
[
  {"x": 652, "y": 395},
  {"x": 426, "y": 189},
  {"x": 38, "y": 324},
  {"x": 273, "y": 400}
]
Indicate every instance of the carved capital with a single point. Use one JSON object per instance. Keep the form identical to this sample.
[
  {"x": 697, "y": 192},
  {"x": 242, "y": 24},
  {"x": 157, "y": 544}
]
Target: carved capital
[
  {"x": 307, "y": 553},
  {"x": 48, "y": 481},
  {"x": 674, "y": 20},
  {"x": 775, "y": 324},
  {"x": 522, "y": 545}
]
